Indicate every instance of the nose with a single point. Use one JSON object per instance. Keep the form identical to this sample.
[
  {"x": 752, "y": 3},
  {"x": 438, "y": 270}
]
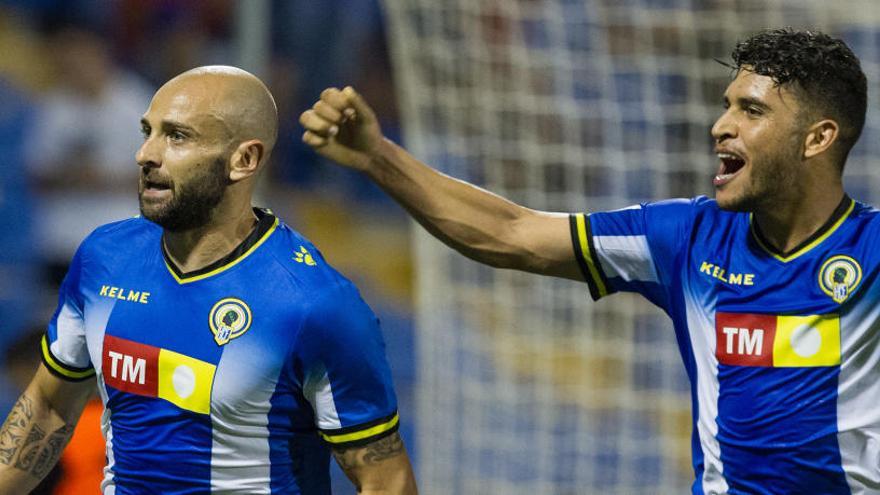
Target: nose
[
  {"x": 149, "y": 154},
  {"x": 724, "y": 128}
]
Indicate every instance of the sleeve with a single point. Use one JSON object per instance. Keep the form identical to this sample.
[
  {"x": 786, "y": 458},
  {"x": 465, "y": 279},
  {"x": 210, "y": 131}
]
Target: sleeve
[
  {"x": 63, "y": 348},
  {"x": 635, "y": 249},
  {"x": 347, "y": 378}
]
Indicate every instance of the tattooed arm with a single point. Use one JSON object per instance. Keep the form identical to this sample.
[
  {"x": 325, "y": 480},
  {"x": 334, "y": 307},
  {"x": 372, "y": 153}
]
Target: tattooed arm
[
  {"x": 380, "y": 467},
  {"x": 37, "y": 429}
]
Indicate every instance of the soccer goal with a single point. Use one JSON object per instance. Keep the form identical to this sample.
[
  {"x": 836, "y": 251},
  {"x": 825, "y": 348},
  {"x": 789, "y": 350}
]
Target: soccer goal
[{"x": 525, "y": 386}]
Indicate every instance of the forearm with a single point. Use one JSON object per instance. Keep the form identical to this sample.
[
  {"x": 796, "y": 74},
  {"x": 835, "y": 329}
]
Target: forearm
[
  {"x": 479, "y": 224},
  {"x": 31, "y": 441},
  {"x": 380, "y": 468}
]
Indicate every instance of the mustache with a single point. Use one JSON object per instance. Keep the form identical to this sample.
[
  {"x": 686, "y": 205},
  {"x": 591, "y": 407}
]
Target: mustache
[{"x": 155, "y": 179}]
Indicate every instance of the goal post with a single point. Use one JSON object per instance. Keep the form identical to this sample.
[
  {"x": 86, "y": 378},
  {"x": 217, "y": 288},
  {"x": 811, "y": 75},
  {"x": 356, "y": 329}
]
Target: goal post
[{"x": 525, "y": 386}]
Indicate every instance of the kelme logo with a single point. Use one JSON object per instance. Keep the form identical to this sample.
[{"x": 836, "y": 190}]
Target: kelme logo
[
  {"x": 839, "y": 277},
  {"x": 230, "y": 318}
]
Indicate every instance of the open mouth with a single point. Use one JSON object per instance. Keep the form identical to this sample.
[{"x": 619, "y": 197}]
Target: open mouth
[
  {"x": 152, "y": 187},
  {"x": 731, "y": 164}
]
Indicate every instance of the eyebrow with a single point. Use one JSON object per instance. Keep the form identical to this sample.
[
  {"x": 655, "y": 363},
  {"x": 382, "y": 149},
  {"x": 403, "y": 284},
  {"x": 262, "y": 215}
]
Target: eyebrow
[
  {"x": 745, "y": 101},
  {"x": 171, "y": 124}
]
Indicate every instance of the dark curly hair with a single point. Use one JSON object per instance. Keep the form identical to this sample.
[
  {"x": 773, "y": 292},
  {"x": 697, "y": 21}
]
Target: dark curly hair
[{"x": 823, "y": 68}]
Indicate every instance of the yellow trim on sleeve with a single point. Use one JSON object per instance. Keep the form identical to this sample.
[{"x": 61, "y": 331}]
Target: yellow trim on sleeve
[
  {"x": 223, "y": 268},
  {"x": 360, "y": 435},
  {"x": 586, "y": 251},
  {"x": 805, "y": 249},
  {"x": 57, "y": 367}
]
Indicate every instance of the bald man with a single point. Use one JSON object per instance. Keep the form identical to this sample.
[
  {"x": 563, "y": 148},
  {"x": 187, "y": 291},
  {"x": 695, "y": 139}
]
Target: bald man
[{"x": 229, "y": 356}]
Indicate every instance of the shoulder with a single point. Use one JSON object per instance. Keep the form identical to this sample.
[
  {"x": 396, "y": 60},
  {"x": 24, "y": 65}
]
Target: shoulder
[
  {"x": 708, "y": 208},
  {"x": 683, "y": 211},
  {"x": 865, "y": 220},
  {"x": 862, "y": 218},
  {"x": 331, "y": 294},
  {"x": 864, "y": 212},
  {"x": 124, "y": 236},
  {"x": 304, "y": 264},
  {"x": 696, "y": 205},
  {"x": 681, "y": 207}
]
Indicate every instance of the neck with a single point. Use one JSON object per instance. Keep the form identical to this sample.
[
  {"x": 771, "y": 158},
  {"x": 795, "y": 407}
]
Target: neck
[
  {"x": 790, "y": 222},
  {"x": 197, "y": 248}
]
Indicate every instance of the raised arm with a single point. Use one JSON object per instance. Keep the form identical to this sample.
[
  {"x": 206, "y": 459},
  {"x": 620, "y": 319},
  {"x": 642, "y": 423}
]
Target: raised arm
[
  {"x": 479, "y": 224},
  {"x": 37, "y": 429},
  {"x": 380, "y": 467}
]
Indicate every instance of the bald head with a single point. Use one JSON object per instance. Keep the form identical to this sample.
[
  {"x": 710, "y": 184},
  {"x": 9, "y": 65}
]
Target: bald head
[{"x": 237, "y": 102}]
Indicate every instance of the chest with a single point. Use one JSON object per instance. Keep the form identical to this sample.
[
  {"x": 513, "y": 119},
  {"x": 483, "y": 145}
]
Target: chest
[
  {"x": 209, "y": 346},
  {"x": 760, "y": 310}
]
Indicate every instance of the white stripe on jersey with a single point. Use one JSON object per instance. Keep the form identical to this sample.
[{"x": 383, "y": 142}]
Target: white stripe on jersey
[
  {"x": 630, "y": 207},
  {"x": 240, "y": 408},
  {"x": 626, "y": 256},
  {"x": 108, "y": 486},
  {"x": 70, "y": 345},
  {"x": 858, "y": 389},
  {"x": 320, "y": 396},
  {"x": 94, "y": 328},
  {"x": 702, "y": 336}
]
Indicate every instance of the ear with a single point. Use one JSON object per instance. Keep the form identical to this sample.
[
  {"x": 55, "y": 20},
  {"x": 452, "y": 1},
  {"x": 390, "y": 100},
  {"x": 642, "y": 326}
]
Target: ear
[
  {"x": 820, "y": 137},
  {"x": 246, "y": 160}
]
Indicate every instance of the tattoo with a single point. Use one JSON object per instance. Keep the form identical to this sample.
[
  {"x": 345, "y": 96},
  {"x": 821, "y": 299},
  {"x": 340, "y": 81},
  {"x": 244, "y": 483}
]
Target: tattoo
[
  {"x": 52, "y": 450},
  {"x": 346, "y": 463},
  {"x": 373, "y": 453},
  {"x": 384, "y": 448},
  {"x": 25, "y": 444},
  {"x": 15, "y": 428},
  {"x": 30, "y": 448}
]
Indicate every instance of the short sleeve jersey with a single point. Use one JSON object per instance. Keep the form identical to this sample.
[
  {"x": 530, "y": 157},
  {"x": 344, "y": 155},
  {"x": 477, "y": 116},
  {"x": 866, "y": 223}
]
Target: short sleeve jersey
[
  {"x": 782, "y": 350},
  {"x": 233, "y": 379}
]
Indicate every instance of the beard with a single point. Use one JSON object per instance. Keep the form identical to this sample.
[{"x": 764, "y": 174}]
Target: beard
[
  {"x": 192, "y": 203},
  {"x": 771, "y": 182}
]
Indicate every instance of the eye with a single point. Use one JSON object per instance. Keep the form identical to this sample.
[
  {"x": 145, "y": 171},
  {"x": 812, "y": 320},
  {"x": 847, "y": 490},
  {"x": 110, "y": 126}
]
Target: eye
[
  {"x": 176, "y": 136},
  {"x": 754, "y": 111},
  {"x": 145, "y": 131}
]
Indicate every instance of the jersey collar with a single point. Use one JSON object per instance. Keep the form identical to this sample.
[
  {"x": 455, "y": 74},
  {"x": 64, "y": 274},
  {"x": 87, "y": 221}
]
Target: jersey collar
[
  {"x": 266, "y": 224},
  {"x": 837, "y": 217}
]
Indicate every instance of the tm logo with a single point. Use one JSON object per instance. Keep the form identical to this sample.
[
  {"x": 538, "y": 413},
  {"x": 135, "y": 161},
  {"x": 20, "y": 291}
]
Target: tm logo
[{"x": 303, "y": 256}]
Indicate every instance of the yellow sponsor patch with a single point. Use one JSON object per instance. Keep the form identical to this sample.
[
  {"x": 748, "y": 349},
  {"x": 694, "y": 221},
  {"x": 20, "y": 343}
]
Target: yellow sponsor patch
[
  {"x": 185, "y": 381},
  {"x": 807, "y": 341}
]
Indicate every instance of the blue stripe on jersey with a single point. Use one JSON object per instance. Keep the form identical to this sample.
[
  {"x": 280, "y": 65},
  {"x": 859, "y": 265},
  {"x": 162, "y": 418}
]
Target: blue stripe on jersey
[
  {"x": 757, "y": 471},
  {"x": 778, "y": 420},
  {"x": 620, "y": 222},
  {"x": 300, "y": 459},
  {"x": 311, "y": 464},
  {"x": 175, "y": 459}
]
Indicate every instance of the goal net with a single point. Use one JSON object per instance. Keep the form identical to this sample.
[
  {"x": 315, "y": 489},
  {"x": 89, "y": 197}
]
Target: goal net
[{"x": 524, "y": 385}]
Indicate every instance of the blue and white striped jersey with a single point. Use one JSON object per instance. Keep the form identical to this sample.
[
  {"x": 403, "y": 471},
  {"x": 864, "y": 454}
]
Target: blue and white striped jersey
[
  {"x": 233, "y": 379},
  {"x": 782, "y": 350}
]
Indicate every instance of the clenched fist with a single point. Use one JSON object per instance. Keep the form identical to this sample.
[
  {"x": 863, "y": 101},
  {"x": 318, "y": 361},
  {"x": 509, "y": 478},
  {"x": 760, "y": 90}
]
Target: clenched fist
[{"x": 342, "y": 127}]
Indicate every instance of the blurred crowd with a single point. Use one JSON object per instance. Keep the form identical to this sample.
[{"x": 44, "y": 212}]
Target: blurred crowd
[{"x": 75, "y": 78}]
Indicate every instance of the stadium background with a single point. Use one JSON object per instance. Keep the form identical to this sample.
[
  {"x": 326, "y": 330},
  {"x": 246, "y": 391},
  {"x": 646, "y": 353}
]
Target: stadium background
[{"x": 508, "y": 383}]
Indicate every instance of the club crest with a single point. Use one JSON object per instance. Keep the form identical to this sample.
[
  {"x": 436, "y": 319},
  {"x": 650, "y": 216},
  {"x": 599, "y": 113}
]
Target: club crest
[
  {"x": 839, "y": 277},
  {"x": 229, "y": 318}
]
